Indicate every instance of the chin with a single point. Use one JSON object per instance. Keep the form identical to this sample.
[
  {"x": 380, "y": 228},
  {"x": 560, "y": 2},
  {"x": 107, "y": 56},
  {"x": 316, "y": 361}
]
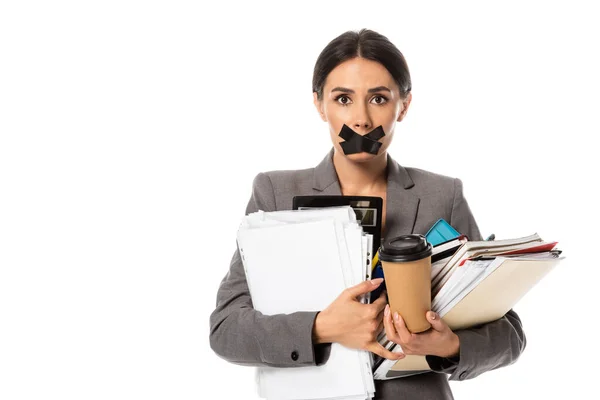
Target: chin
[{"x": 362, "y": 157}]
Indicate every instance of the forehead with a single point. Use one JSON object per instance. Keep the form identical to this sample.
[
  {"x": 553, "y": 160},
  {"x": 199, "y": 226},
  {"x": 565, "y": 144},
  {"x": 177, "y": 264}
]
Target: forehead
[{"x": 359, "y": 73}]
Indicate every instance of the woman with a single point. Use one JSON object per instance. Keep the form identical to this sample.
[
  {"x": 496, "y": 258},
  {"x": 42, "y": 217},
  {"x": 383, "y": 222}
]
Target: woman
[{"x": 362, "y": 88}]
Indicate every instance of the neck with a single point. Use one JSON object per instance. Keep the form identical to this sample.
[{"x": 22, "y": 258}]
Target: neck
[{"x": 361, "y": 178}]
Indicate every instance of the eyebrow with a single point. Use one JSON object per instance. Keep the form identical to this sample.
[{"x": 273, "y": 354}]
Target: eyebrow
[{"x": 373, "y": 90}]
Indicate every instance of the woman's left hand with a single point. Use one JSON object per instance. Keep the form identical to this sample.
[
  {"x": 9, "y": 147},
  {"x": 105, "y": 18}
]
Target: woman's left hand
[{"x": 439, "y": 340}]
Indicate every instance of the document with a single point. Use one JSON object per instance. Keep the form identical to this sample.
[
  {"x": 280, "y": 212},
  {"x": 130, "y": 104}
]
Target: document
[{"x": 301, "y": 260}]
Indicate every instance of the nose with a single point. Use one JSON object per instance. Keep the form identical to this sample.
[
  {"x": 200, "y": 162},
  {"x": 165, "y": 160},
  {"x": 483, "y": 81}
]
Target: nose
[
  {"x": 362, "y": 125},
  {"x": 362, "y": 120}
]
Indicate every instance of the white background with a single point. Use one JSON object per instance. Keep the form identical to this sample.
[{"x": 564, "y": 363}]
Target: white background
[{"x": 131, "y": 131}]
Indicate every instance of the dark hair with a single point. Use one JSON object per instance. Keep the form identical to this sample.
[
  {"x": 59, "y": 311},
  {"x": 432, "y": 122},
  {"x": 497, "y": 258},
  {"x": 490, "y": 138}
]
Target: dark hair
[{"x": 367, "y": 44}]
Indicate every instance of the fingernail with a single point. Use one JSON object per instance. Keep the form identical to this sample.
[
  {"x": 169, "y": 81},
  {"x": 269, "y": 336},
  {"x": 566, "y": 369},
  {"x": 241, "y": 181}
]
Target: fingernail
[
  {"x": 432, "y": 315},
  {"x": 376, "y": 281},
  {"x": 387, "y": 310},
  {"x": 396, "y": 317}
]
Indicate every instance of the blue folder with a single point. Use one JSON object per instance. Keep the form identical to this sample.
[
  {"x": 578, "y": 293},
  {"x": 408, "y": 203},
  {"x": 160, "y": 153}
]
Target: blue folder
[{"x": 441, "y": 232}]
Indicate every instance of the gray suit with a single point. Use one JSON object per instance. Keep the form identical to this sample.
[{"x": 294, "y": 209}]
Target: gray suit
[{"x": 416, "y": 199}]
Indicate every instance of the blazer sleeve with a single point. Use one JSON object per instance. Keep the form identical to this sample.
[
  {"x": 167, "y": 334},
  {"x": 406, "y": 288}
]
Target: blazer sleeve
[
  {"x": 485, "y": 347},
  {"x": 242, "y": 335}
]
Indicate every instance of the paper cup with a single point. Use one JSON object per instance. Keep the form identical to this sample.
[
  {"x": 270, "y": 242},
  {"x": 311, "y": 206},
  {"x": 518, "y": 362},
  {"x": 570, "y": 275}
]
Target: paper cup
[{"x": 406, "y": 262}]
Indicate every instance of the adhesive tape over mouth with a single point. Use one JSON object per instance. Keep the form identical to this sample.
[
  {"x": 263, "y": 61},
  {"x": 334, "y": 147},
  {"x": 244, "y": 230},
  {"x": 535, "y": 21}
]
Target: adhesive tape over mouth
[{"x": 355, "y": 143}]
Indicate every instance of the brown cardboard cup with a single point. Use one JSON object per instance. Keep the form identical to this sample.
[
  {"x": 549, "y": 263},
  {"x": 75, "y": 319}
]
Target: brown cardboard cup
[{"x": 406, "y": 262}]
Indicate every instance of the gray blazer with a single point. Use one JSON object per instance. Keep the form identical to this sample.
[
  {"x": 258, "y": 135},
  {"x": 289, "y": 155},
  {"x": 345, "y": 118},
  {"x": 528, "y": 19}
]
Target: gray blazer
[{"x": 416, "y": 199}]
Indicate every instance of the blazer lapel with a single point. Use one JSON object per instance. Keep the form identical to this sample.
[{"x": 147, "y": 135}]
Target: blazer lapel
[
  {"x": 325, "y": 179},
  {"x": 401, "y": 205}
]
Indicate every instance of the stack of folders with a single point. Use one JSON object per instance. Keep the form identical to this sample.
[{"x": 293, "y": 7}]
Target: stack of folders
[
  {"x": 302, "y": 260},
  {"x": 479, "y": 283},
  {"x": 442, "y": 254}
]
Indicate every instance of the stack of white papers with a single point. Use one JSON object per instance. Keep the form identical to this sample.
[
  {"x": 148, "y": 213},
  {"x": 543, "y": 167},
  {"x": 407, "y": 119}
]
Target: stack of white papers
[{"x": 302, "y": 260}]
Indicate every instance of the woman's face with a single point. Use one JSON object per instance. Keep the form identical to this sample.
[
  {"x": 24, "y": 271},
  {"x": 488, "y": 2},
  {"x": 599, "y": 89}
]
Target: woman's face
[{"x": 363, "y": 95}]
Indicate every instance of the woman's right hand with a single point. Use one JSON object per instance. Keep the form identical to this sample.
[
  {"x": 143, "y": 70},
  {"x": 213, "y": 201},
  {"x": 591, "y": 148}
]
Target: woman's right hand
[{"x": 353, "y": 324}]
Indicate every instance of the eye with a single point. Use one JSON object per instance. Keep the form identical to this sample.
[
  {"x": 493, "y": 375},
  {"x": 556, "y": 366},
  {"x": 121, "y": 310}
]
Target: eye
[
  {"x": 343, "y": 99},
  {"x": 379, "y": 99}
]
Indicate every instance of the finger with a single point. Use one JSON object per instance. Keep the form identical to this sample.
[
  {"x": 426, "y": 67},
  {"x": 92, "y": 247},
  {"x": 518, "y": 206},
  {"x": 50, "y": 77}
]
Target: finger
[
  {"x": 436, "y": 322},
  {"x": 403, "y": 332},
  {"x": 380, "y": 327},
  {"x": 381, "y": 312},
  {"x": 380, "y": 303},
  {"x": 363, "y": 287},
  {"x": 380, "y": 315},
  {"x": 382, "y": 298},
  {"x": 390, "y": 329},
  {"x": 381, "y": 351}
]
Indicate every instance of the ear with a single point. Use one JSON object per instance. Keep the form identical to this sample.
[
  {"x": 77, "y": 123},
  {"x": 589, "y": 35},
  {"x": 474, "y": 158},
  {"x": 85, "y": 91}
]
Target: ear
[
  {"x": 405, "y": 105},
  {"x": 319, "y": 106}
]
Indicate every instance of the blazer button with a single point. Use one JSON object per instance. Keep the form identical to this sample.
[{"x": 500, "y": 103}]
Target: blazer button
[
  {"x": 463, "y": 375},
  {"x": 294, "y": 355}
]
